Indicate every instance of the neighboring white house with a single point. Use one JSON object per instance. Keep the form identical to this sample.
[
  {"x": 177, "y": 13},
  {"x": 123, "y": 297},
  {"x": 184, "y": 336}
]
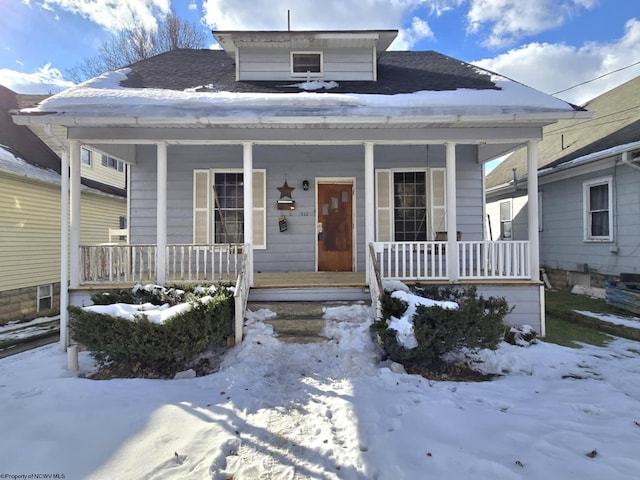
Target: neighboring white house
[
  {"x": 589, "y": 206},
  {"x": 30, "y": 219},
  {"x": 300, "y": 154}
]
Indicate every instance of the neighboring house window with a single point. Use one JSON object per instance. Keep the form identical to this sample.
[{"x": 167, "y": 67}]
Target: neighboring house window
[
  {"x": 218, "y": 207},
  {"x": 86, "y": 157},
  {"x": 306, "y": 62},
  {"x": 506, "y": 222},
  {"x": 410, "y": 205},
  {"x": 598, "y": 215},
  {"x": 112, "y": 163},
  {"x": 45, "y": 297}
]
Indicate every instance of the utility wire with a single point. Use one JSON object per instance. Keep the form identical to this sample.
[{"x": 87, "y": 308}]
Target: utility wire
[{"x": 598, "y": 78}]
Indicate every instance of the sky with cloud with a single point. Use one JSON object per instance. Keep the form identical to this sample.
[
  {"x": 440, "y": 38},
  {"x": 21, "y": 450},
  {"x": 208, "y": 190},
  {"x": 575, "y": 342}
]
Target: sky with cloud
[{"x": 550, "y": 45}]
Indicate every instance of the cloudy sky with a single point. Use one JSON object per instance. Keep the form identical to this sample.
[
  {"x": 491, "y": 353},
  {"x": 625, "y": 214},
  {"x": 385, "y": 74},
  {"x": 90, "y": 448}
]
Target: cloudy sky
[{"x": 548, "y": 44}]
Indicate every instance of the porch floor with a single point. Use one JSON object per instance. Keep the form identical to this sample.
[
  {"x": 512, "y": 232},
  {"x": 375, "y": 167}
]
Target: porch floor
[{"x": 309, "y": 280}]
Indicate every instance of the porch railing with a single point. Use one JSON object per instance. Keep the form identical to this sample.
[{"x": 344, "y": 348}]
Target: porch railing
[
  {"x": 241, "y": 295},
  {"x": 477, "y": 260},
  {"x": 124, "y": 264}
]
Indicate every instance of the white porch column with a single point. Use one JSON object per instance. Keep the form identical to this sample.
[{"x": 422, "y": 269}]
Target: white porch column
[
  {"x": 532, "y": 203},
  {"x": 247, "y": 167},
  {"x": 64, "y": 250},
  {"x": 74, "y": 219},
  {"x": 369, "y": 207},
  {"x": 452, "y": 225},
  {"x": 161, "y": 215}
]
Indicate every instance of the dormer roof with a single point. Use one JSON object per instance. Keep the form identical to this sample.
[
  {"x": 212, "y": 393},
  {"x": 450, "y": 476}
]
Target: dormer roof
[{"x": 232, "y": 40}]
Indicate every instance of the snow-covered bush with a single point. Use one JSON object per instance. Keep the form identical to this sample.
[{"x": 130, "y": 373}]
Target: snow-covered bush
[
  {"x": 438, "y": 327},
  {"x": 152, "y": 346},
  {"x": 155, "y": 294}
]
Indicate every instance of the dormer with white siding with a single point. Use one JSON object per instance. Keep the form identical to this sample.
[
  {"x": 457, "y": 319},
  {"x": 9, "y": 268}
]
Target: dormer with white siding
[{"x": 296, "y": 55}]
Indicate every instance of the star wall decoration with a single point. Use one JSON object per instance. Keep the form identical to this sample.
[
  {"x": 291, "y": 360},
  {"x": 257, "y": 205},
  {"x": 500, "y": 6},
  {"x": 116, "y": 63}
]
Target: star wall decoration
[{"x": 285, "y": 190}]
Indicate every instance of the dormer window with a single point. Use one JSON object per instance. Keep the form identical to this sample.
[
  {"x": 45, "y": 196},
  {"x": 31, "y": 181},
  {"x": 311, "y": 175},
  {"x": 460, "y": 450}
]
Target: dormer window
[{"x": 303, "y": 63}]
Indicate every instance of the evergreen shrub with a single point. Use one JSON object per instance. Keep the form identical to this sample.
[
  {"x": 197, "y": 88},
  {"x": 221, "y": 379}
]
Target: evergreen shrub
[
  {"x": 477, "y": 323},
  {"x": 158, "y": 349}
]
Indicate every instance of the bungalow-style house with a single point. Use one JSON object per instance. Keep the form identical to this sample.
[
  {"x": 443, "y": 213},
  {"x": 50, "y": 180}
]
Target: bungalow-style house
[
  {"x": 30, "y": 217},
  {"x": 294, "y": 161},
  {"x": 588, "y": 175}
]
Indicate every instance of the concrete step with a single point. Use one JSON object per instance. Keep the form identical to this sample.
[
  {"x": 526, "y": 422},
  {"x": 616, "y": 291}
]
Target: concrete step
[{"x": 296, "y": 322}]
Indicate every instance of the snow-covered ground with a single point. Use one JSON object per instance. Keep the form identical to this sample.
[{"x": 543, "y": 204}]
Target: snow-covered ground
[{"x": 328, "y": 411}]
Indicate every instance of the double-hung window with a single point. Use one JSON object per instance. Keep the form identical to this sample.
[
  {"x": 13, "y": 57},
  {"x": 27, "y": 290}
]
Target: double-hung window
[
  {"x": 86, "y": 155},
  {"x": 218, "y": 207},
  {"x": 506, "y": 220},
  {"x": 598, "y": 214},
  {"x": 410, "y": 204}
]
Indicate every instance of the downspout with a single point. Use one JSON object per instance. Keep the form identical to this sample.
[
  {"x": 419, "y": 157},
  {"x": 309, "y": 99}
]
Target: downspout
[{"x": 64, "y": 238}]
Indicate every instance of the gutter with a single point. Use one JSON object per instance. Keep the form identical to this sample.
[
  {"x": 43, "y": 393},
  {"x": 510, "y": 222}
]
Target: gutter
[{"x": 62, "y": 119}]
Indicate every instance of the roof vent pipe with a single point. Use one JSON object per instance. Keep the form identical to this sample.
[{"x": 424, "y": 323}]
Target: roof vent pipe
[
  {"x": 626, "y": 161},
  {"x": 515, "y": 180}
]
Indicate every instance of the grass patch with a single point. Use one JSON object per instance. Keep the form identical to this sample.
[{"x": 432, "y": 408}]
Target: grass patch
[
  {"x": 567, "y": 301},
  {"x": 571, "y": 334},
  {"x": 568, "y": 328}
]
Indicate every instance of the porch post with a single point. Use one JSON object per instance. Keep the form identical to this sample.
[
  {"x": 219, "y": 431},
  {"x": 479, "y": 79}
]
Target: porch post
[
  {"x": 452, "y": 225},
  {"x": 161, "y": 215},
  {"x": 369, "y": 207},
  {"x": 532, "y": 202},
  {"x": 74, "y": 220},
  {"x": 247, "y": 165},
  {"x": 64, "y": 250}
]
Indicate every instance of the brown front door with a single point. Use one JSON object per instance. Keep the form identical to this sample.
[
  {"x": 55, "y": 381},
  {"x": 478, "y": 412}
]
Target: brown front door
[{"x": 335, "y": 227}]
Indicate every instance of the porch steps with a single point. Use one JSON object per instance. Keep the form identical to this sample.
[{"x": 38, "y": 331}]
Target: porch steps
[
  {"x": 309, "y": 294},
  {"x": 296, "y": 322}
]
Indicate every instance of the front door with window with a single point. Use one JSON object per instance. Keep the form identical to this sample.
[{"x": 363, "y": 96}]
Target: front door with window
[{"x": 335, "y": 227}]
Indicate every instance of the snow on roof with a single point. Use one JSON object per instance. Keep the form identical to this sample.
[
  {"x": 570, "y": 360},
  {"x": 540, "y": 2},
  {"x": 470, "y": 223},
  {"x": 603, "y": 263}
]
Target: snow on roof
[
  {"x": 104, "y": 98},
  {"x": 608, "y": 152},
  {"x": 10, "y": 163}
]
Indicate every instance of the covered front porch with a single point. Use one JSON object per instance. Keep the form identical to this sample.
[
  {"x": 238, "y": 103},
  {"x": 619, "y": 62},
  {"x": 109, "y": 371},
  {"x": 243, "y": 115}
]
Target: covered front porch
[{"x": 448, "y": 259}]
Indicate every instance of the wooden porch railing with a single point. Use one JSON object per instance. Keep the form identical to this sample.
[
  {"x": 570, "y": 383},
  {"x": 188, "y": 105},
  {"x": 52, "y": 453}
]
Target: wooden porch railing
[
  {"x": 477, "y": 260},
  {"x": 241, "y": 295},
  {"x": 122, "y": 263}
]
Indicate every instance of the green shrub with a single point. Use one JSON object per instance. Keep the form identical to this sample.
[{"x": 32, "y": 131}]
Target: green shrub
[
  {"x": 477, "y": 323},
  {"x": 155, "y": 294},
  {"x": 161, "y": 349}
]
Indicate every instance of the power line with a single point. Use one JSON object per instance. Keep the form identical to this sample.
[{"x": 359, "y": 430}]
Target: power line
[{"x": 598, "y": 78}]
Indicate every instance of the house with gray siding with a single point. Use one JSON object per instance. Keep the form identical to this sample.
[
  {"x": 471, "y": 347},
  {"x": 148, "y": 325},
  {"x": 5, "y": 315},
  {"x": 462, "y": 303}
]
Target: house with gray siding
[
  {"x": 588, "y": 202},
  {"x": 304, "y": 164}
]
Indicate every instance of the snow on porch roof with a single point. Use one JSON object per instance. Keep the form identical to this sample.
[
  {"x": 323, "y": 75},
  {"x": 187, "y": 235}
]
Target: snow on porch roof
[{"x": 412, "y": 86}]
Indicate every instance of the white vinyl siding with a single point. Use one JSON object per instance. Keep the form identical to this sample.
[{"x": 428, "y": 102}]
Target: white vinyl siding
[
  {"x": 346, "y": 64},
  {"x": 30, "y": 229},
  {"x": 435, "y": 199},
  {"x": 598, "y": 210},
  {"x": 205, "y": 210}
]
